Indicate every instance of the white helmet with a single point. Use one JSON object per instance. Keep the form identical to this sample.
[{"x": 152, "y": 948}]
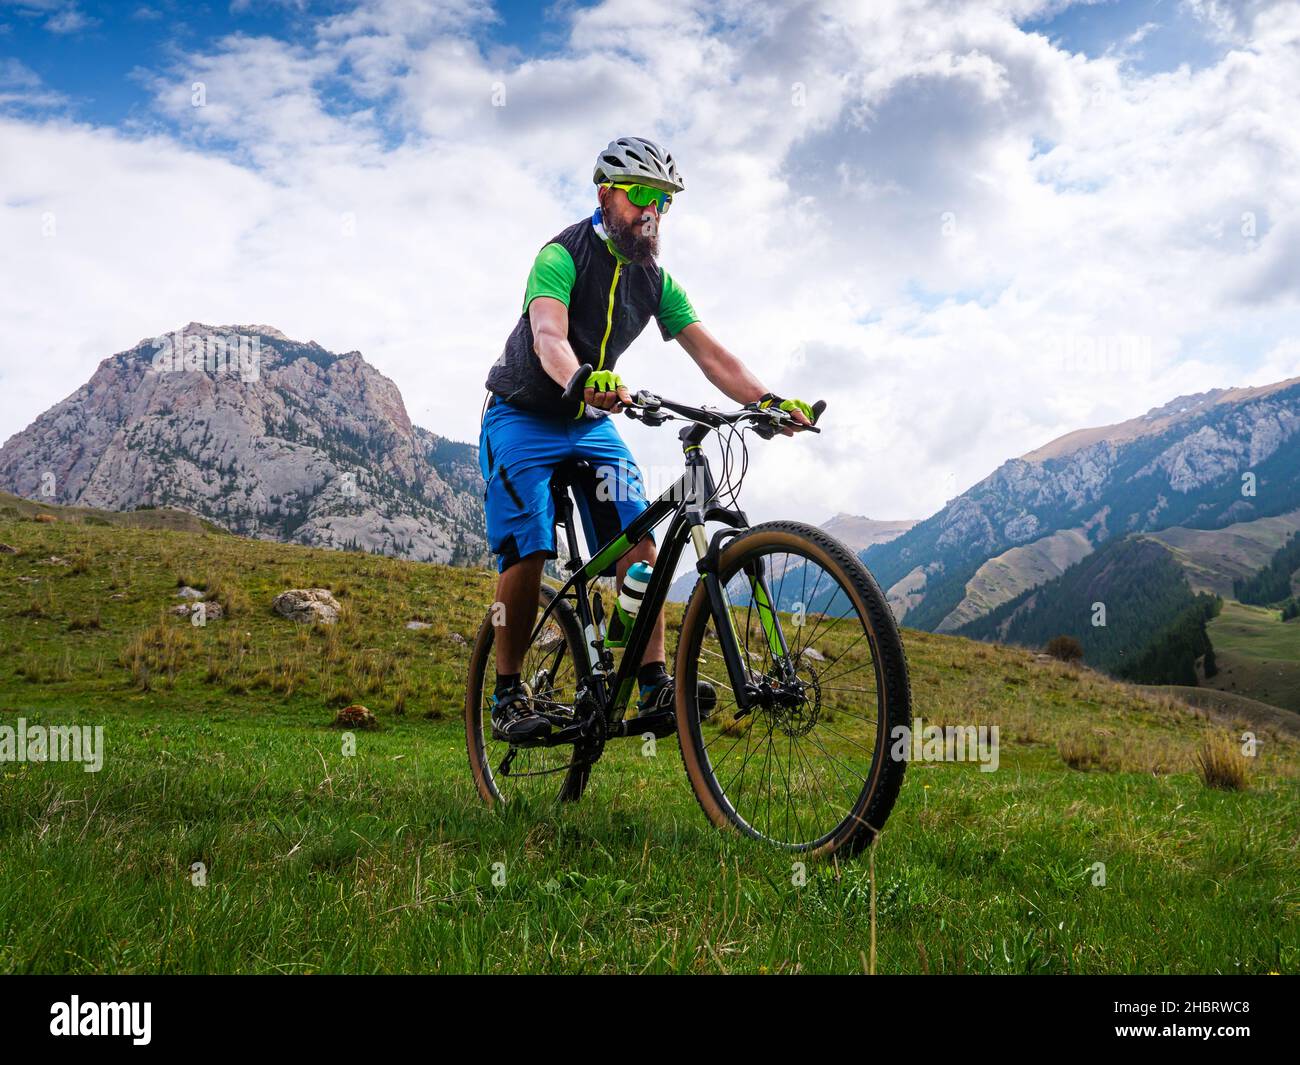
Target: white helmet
[{"x": 639, "y": 161}]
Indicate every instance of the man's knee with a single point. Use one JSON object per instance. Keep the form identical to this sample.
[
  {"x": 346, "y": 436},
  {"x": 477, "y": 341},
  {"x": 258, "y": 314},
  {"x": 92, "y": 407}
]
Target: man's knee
[
  {"x": 523, "y": 568},
  {"x": 642, "y": 552}
]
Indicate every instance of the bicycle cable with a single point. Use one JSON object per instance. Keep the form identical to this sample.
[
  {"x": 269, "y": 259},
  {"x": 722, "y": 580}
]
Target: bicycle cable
[{"x": 733, "y": 469}]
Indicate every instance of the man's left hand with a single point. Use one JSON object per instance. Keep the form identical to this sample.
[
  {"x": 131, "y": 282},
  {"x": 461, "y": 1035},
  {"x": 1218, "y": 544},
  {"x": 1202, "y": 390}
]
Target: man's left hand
[{"x": 796, "y": 408}]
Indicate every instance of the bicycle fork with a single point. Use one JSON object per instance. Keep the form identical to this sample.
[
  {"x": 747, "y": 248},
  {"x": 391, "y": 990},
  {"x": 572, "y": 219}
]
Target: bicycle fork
[{"x": 747, "y": 692}]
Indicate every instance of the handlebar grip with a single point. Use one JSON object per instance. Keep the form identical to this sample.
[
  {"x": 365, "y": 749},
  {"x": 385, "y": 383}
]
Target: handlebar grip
[
  {"x": 574, "y": 390},
  {"x": 817, "y": 409}
]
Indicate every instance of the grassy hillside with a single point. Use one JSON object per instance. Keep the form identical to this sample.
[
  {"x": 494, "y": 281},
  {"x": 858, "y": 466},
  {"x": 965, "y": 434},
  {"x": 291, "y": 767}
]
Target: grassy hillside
[
  {"x": 1152, "y": 630},
  {"x": 218, "y": 751},
  {"x": 1233, "y": 709},
  {"x": 1215, "y": 558},
  {"x": 1002, "y": 578},
  {"x": 1258, "y": 654},
  {"x": 14, "y": 507}
]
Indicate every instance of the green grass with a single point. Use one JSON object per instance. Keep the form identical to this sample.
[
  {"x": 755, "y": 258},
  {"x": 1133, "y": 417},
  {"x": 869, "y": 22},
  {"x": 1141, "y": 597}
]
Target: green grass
[
  {"x": 1257, "y": 653},
  {"x": 218, "y": 751}
]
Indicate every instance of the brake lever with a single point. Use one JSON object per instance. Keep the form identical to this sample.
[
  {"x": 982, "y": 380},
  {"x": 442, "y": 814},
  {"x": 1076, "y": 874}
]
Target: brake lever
[
  {"x": 778, "y": 420},
  {"x": 648, "y": 415}
]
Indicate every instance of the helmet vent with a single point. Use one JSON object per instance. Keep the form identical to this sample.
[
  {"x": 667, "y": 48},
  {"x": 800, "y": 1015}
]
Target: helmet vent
[{"x": 637, "y": 160}]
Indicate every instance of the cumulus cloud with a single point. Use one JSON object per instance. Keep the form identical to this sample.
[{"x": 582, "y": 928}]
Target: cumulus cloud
[{"x": 966, "y": 238}]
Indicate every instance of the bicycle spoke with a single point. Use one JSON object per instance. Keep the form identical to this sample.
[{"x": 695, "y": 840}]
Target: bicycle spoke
[
  {"x": 549, "y": 669},
  {"x": 793, "y": 765}
]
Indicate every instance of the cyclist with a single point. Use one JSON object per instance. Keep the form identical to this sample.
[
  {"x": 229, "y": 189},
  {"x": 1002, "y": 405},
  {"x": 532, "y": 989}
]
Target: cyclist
[{"x": 591, "y": 291}]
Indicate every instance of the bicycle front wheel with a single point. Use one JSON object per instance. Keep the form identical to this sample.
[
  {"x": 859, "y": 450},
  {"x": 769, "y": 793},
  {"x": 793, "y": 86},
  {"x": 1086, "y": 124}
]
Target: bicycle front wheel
[{"x": 808, "y": 765}]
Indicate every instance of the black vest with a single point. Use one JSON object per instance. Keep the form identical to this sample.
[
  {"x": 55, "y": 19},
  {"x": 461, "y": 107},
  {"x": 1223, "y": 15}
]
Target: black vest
[{"x": 517, "y": 376}]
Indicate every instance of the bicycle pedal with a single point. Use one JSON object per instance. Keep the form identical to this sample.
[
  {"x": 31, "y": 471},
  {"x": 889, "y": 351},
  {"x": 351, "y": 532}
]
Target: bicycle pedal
[{"x": 660, "y": 723}]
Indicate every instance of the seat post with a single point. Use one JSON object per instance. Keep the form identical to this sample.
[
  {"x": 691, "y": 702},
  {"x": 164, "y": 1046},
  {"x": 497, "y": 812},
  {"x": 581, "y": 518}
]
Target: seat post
[{"x": 564, "y": 511}]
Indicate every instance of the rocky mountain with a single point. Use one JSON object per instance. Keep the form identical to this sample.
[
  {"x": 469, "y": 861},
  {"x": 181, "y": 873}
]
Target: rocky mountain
[
  {"x": 263, "y": 435},
  {"x": 1205, "y": 462},
  {"x": 860, "y": 533}
]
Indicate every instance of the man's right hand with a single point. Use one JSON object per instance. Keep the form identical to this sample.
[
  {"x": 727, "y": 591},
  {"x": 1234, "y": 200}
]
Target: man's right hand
[{"x": 606, "y": 390}]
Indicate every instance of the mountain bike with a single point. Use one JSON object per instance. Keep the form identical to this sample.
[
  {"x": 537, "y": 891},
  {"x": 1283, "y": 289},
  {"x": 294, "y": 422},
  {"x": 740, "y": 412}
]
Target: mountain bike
[{"x": 790, "y": 672}]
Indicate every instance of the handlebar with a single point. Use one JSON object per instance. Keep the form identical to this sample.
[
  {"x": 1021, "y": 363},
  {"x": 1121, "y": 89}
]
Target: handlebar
[
  {"x": 573, "y": 391},
  {"x": 767, "y": 423}
]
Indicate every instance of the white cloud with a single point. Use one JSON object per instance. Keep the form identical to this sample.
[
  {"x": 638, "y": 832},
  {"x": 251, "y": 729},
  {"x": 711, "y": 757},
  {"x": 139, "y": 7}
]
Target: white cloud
[
  {"x": 966, "y": 239},
  {"x": 64, "y": 16},
  {"x": 22, "y": 87},
  {"x": 70, "y": 20}
]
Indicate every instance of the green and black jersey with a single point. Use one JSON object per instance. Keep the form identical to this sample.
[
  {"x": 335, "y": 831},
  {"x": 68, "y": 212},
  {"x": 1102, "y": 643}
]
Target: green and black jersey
[{"x": 610, "y": 300}]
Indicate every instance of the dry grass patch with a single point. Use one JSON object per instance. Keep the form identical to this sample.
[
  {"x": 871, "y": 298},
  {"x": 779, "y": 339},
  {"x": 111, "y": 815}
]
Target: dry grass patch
[
  {"x": 1222, "y": 764},
  {"x": 159, "y": 651},
  {"x": 1087, "y": 751}
]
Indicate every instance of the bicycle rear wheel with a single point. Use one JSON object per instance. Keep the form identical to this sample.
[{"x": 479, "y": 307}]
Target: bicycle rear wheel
[
  {"x": 553, "y": 664},
  {"x": 810, "y": 768}
]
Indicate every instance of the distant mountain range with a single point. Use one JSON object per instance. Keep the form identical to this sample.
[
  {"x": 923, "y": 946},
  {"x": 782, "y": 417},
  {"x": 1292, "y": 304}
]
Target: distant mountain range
[
  {"x": 853, "y": 530},
  {"x": 265, "y": 436},
  {"x": 1202, "y": 462},
  {"x": 860, "y": 533},
  {"x": 1114, "y": 535}
]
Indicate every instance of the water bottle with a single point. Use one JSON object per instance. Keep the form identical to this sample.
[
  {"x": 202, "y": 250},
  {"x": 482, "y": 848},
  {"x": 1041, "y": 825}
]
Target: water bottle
[{"x": 628, "y": 603}]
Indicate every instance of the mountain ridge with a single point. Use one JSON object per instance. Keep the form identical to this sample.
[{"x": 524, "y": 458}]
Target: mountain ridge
[
  {"x": 1156, "y": 419},
  {"x": 266, "y": 436},
  {"x": 1189, "y": 470}
]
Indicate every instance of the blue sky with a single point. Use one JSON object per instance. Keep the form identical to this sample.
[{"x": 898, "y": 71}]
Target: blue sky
[
  {"x": 936, "y": 213},
  {"x": 1170, "y": 34},
  {"x": 95, "y": 58}
]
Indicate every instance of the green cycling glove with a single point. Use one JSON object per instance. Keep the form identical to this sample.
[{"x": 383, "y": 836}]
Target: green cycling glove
[
  {"x": 787, "y": 405},
  {"x": 604, "y": 381}
]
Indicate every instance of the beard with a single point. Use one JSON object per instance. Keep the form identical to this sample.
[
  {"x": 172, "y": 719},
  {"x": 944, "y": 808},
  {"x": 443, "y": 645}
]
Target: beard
[{"x": 637, "y": 241}]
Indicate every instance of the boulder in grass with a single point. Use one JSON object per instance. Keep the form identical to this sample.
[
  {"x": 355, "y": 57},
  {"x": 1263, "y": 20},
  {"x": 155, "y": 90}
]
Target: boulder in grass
[
  {"x": 5, "y": 549},
  {"x": 307, "y": 605},
  {"x": 416, "y": 625},
  {"x": 355, "y": 716},
  {"x": 550, "y": 639},
  {"x": 212, "y": 611},
  {"x": 186, "y": 592},
  {"x": 814, "y": 655}
]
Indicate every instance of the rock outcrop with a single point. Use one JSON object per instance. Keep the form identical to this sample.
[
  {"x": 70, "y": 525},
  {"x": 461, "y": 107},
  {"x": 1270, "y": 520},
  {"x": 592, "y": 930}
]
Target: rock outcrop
[
  {"x": 307, "y": 605},
  {"x": 263, "y": 435}
]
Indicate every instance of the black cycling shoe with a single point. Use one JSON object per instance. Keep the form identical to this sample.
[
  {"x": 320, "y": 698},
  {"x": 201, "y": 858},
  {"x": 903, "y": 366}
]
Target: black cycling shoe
[
  {"x": 662, "y": 697},
  {"x": 514, "y": 719}
]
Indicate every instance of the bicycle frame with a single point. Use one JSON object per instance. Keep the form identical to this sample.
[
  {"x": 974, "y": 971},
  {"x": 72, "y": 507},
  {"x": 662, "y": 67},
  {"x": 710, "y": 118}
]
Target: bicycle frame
[{"x": 689, "y": 506}]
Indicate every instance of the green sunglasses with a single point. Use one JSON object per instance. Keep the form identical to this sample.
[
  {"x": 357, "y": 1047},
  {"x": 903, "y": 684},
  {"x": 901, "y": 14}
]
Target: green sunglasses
[{"x": 644, "y": 196}]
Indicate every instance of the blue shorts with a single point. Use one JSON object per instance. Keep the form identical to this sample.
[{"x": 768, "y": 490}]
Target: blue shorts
[{"x": 518, "y": 452}]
